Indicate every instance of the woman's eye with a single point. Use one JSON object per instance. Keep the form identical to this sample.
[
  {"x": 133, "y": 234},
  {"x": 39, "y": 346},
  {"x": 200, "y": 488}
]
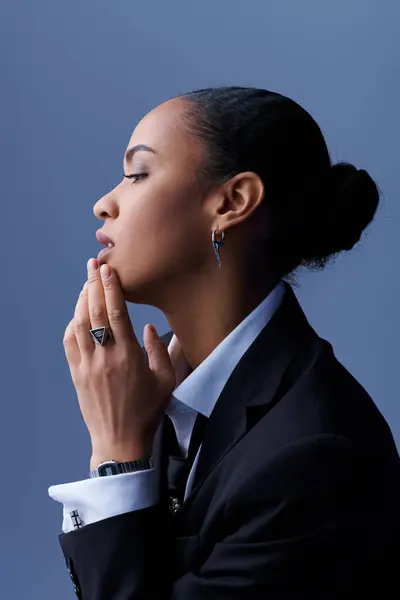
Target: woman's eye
[{"x": 135, "y": 177}]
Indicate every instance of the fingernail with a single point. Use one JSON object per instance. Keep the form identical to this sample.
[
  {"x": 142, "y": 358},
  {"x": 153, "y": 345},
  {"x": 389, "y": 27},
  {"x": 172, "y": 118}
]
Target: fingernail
[
  {"x": 105, "y": 272},
  {"x": 92, "y": 264}
]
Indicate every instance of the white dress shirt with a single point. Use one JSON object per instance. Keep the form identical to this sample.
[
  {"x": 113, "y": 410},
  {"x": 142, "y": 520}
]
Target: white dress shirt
[{"x": 196, "y": 391}]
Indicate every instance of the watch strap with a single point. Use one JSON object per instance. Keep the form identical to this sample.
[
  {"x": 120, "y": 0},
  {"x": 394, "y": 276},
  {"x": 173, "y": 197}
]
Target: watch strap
[{"x": 112, "y": 467}]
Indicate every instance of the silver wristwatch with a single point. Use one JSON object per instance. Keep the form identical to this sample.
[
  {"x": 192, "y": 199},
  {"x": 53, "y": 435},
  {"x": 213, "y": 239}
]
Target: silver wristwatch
[{"x": 111, "y": 467}]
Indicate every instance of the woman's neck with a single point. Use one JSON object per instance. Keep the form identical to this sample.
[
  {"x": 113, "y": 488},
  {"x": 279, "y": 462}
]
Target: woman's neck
[{"x": 204, "y": 314}]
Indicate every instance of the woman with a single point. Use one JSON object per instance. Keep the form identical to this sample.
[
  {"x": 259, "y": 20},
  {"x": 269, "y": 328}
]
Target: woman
[{"x": 243, "y": 461}]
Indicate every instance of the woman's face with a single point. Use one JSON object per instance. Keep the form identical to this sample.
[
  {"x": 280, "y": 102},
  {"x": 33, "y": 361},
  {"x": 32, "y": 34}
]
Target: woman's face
[{"x": 157, "y": 219}]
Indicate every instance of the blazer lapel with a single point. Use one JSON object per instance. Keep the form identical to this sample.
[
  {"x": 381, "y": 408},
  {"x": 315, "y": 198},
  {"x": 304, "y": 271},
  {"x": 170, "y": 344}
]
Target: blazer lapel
[
  {"x": 253, "y": 386},
  {"x": 249, "y": 393}
]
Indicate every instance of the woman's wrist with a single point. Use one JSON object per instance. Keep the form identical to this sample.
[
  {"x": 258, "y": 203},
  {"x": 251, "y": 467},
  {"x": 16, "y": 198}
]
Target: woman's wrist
[{"x": 119, "y": 454}]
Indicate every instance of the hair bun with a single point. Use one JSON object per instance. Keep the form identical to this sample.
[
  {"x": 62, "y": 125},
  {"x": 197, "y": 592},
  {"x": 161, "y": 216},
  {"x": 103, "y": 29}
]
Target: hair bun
[{"x": 350, "y": 197}]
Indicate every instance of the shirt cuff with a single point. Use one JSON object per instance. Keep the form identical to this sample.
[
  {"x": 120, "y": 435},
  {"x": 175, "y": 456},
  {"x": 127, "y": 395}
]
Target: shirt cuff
[{"x": 103, "y": 497}]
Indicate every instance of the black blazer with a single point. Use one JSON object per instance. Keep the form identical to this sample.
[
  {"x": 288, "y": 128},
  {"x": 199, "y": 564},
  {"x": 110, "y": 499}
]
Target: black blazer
[{"x": 296, "y": 493}]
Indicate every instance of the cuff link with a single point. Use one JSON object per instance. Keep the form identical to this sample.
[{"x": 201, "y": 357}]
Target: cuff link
[{"x": 76, "y": 520}]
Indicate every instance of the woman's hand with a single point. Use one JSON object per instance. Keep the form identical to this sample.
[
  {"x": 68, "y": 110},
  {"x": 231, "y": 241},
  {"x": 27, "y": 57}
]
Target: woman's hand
[{"x": 122, "y": 396}]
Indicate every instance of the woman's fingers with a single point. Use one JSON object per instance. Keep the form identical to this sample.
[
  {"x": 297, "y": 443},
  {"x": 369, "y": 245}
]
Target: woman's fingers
[
  {"x": 96, "y": 301},
  {"x": 82, "y": 325},
  {"x": 117, "y": 312},
  {"x": 178, "y": 360},
  {"x": 71, "y": 347},
  {"x": 100, "y": 304},
  {"x": 159, "y": 360}
]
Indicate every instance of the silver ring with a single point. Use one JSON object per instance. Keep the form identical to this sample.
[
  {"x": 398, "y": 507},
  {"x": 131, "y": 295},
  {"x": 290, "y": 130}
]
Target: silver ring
[{"x": 101, "y": 335}]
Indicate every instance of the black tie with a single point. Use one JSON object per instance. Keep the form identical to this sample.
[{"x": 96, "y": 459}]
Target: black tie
[{"x": 178, "y": 468}]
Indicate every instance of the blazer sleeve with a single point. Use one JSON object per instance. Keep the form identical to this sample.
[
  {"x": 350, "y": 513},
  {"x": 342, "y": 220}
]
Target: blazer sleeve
[{"x": 293, "y": 527}]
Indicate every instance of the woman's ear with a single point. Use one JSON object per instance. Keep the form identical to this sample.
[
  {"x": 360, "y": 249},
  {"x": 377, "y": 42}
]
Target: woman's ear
[{"x": 243, "y": 194}]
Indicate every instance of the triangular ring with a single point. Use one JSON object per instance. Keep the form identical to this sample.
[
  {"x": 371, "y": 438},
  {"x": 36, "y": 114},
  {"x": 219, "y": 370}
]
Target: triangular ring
[{"x": 101, "y": 335}]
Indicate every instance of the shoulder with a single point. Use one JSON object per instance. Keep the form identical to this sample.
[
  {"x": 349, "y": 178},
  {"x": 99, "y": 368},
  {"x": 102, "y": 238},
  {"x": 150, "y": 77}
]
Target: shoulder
[{"x": 340, "y": 402}]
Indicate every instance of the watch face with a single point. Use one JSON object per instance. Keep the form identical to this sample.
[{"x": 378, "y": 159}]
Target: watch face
[{"x": 109, "y": 468}]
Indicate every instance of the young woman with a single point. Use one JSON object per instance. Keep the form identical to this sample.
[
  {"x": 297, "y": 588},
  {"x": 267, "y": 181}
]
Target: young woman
[{"x": 243, "y": 461}]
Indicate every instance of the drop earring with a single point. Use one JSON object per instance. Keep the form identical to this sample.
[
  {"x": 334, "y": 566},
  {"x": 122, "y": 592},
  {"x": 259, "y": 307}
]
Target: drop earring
[{"x": 218, "y": 244}]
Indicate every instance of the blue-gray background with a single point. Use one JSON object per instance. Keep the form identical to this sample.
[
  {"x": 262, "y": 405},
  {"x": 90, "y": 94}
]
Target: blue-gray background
[{"x": 75, "y": 79}]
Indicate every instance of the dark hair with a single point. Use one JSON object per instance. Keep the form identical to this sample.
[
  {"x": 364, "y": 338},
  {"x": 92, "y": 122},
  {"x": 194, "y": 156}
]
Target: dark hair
[{"x": 316, "y": 209}]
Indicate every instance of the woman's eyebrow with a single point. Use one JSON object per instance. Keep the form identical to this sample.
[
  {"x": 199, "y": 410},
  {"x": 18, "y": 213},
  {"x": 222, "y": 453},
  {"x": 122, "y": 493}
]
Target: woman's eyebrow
[{"x": 139, "y": 147}]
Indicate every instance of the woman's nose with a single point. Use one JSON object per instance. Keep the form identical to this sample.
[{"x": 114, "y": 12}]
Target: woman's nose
[{"x": 105, "y": 207}]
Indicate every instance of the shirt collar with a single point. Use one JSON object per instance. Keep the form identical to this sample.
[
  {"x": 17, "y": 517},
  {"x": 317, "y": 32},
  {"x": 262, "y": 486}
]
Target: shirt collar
[{"x": 200, "y": 389}]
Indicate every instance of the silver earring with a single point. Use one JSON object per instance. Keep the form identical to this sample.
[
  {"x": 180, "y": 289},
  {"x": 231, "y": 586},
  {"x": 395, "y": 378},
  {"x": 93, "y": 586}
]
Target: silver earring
[{"x": 218, "y": 244}]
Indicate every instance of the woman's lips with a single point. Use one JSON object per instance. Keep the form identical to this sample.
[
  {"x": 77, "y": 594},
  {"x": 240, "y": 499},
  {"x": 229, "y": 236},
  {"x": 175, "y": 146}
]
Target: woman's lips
[
  {"x": 103, "y": 252},
  {"x": 103, "y": 238}
]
